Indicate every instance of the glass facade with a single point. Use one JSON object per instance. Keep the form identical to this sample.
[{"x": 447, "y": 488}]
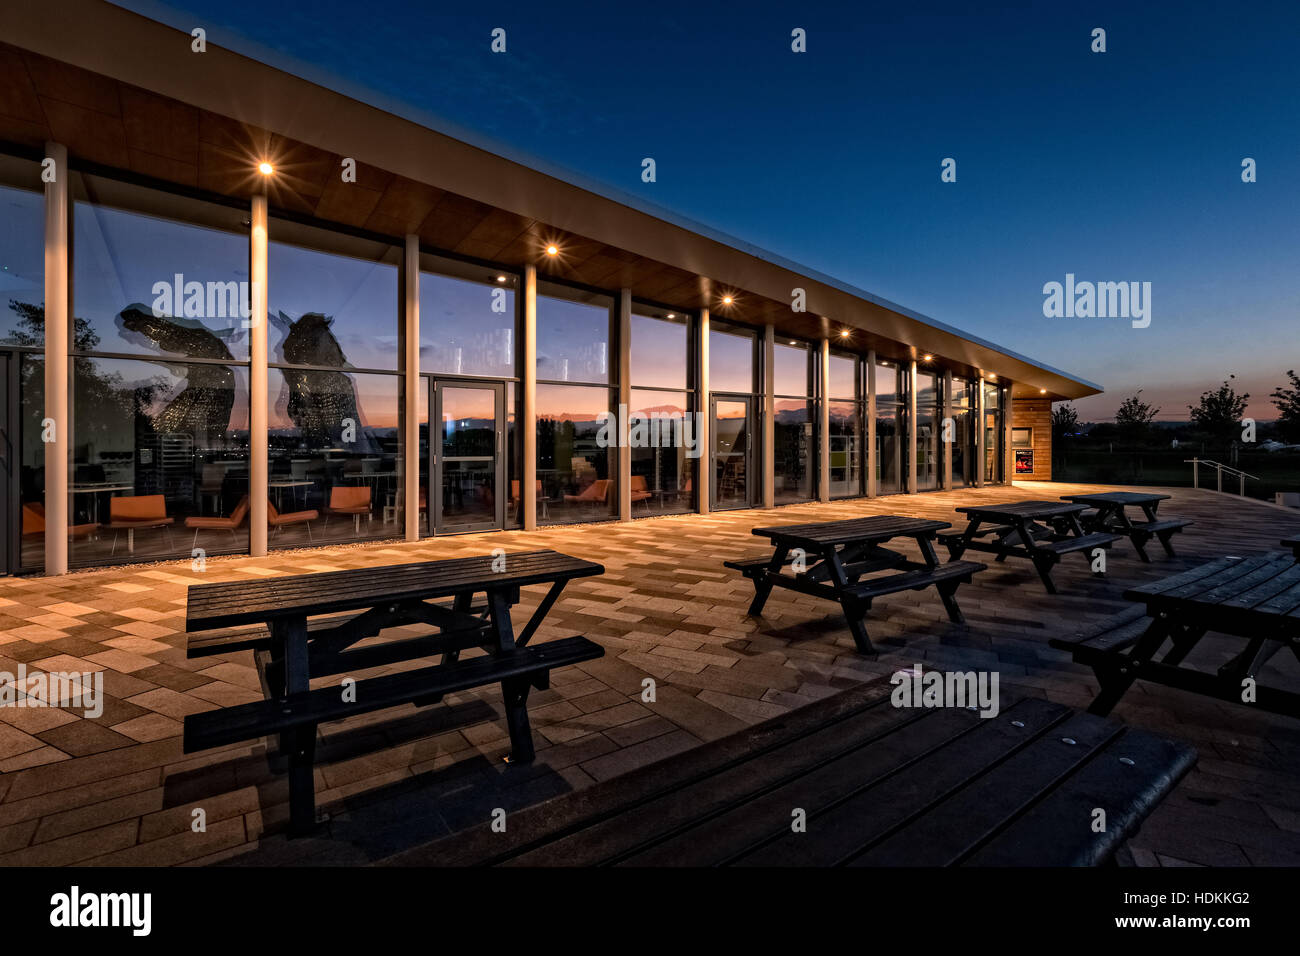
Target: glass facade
[
  {"x": 929, "y": 425},
  {"x": 333, "y": 432},
  {"x": 663, "y": 434},
  {"x": 160, "y": 388},
  {"x": 576, "y": 440},
  {"x": 890, "y": 424},
  {"x": 846, "y": 412},
  {"x": 794, "y": 412}
]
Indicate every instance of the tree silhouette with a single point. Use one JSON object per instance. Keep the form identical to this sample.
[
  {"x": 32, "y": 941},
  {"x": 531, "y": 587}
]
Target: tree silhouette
[
  {"x": 1220, "y": 411},
  {"x": 1287, "y": 401}
]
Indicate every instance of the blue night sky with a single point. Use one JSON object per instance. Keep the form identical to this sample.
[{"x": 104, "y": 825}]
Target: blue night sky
[{"x": 1122, "y": 166}]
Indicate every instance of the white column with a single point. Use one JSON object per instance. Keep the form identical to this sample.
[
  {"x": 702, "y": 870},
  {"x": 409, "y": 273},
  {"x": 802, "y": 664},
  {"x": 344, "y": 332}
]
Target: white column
[
  {"x": 257, "y": 381},
  {"x": 410, "y": 505},
  {"x": 768, "y": 474},
  {"x": 704, "y": 463},
  {"x": 824, "y": 422},
  {"x": 911, "y": 427},
  {"x": 528, "y": 412},
  {"x": 58, "y": 424},
  {"x": 624, "y": 456},
  {"x": 870, "y": 431},
  {"x": 948, "y": 413}
]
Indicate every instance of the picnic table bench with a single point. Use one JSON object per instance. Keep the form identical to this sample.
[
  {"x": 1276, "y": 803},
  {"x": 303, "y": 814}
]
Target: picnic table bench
[
  {"x": 1042, "y": 531},
  {"x": 878, "y": 785},
  {"x": 1255, "y": 599},
  {"x": 1110, "y": 515},
  {"x": 1294, "y": 544},
  {"x": 829, "y": 559},
  {"x": 304, "y": 627}
]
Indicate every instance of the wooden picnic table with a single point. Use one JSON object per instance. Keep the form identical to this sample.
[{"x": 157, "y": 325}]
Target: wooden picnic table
[
  {"x": 1040, "y": 530},
  {"x": 1294, "y": 544},
  {"x": 1255, "y": 599},
  {"x": 306, "y": 627},
  {"x": 1110, "y": 515},
  {"x": 829, "y": 559},
  {"x": 880, "y": 786}
]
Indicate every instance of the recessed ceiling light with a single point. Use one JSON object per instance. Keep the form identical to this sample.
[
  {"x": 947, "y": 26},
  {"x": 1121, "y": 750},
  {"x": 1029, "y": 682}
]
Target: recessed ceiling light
[
  {"x": 266, "y": 169},
  {"x": 927, "y": 358},
  {"x": 726, "y": 300},
  {"x": 552, "y": 250},
  {"x": 1042, "y": 391},
  {"x": 844, "y": 333},
  {"x": 501, "y": 278},
  {"x": 672, "y": 315}
]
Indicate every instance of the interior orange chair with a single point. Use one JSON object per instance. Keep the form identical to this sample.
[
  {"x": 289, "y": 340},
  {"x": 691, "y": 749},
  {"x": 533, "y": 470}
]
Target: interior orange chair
[
  {"x": 349, "y": 500},
  {"x": 276, "y": 520},
  {"x": 34, "y": 523},
  {"x": 639, "y": 490},
  {"x": 514, "y": 496},
  {"x": 230, "y": 523},
  {"x": 593, "y": 494},
  {"x": 129, "y": 512}
]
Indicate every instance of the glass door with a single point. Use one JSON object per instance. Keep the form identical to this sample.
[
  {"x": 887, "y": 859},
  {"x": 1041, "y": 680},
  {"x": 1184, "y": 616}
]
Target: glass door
[
  {"x": 730, "y": 428},
  {"x": 468, "y": 457}
]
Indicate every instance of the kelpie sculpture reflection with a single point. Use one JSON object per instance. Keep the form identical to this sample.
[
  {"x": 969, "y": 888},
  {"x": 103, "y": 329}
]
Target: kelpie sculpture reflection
[
  {"x": 322, "y": 404},
  {"x": 203, "y": 406}
]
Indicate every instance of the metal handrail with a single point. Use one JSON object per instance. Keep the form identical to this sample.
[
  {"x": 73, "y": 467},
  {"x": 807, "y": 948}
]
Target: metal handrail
[{"x": 1219, "y": 470}]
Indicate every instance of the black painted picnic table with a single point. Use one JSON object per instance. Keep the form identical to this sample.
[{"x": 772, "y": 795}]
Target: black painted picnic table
[
  {"x": 1255, "y": 599},
  {"x": 1039, "y": 530},
  {"x": 1111, "y": 515},
  {"x": 829, "y": 559},
  {"x": 302, "y": 633},
  {"x": 877, "y": 785}
]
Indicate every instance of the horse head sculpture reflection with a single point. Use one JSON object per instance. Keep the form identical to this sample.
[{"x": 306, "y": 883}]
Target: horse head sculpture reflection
[
  {"x": 323, "y": 404},
  {"x": 202, "y": 407}
]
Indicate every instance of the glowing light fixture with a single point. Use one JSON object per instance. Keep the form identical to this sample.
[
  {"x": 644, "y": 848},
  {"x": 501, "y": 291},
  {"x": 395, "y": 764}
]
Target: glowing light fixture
[
  {"x": 927, "y": 358},
  {"x": 266, "y": 169},
  {"x": 552, "y": 250},
  {"x": 844, "y": 333},
  {"x": 1042, "y": 391},
  {"x": 501, "y": 278},
  {"x": 727, "y": 300}
]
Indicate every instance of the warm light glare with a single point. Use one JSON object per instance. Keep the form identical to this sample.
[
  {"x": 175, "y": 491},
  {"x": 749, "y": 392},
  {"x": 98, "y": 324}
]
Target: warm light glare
[
  {"x": 266, "y": 169},
  {"x": 501, "y": 278},
  {"x": 552, "y": 250},
  {"x": 927, "y": 358},
  {"x": 726, "y": 300},
  {"x": 844, "y": 333},
  {"x": 1042, "y": 391}
]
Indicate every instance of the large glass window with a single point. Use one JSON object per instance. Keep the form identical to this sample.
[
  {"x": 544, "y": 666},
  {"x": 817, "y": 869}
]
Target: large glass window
[
  {"x": 663, "y": 433},
  {"x": 154, "y": 286},
  {"x": 31, "y": 485},
  {"x": 159, "y": 443},
  {"x": 575, "y": 454},
  {"x": 572, "y": 336},
  {"x": 890, "y": 423},
  {"x": 22, "y": 267},
  {"x": 334, "y": 436},
  {"x": 929, "y": 415},
  {"x": 847, "y": 413},
  {"x": 467, "y": 321},
  {"x": 731, "y": 361},
  {"x": 160, "y": 460},
  {"x": 993, "y": 421},
  {"x": 576, "y": 442},
  {"x": 793, "y": 416},
  {"x": 962, "y": 446}
]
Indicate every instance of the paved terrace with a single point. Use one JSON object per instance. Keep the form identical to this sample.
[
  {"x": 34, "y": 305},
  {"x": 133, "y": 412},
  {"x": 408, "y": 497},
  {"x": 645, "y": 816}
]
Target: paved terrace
[{"x": 118, "y": 790}]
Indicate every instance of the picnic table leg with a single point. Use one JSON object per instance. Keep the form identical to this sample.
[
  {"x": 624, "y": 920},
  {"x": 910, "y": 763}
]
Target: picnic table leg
[
  {"x": 1164, "y": 537},
  {"x": 515, "y": 694},
  {"x": 762, "y": 580},
  {"x": 1043, "y": 562},
  {"x": 1116, "y": 676},
  {"x": 956, "y": 550},
  {"x": 1185, "y": 637},
  {"x": 947, "y": 589},
  {"x": 854, "y": 610},
  {"x": 299, "y": 744}
]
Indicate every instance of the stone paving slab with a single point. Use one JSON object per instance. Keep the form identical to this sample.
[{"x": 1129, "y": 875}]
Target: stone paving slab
[{"x": 118, "y": 789}]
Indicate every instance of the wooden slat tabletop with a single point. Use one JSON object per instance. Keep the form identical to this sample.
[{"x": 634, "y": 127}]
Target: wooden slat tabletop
[
  {"x": 874, "y": 528},
  {"x": 1116, "y": 498},
  {"x": 1018, "y": 510},
  {"x": 1261, "y": 586},
  {"x": 880, "y": 785},
  {"x": 250, "y": 602}
]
